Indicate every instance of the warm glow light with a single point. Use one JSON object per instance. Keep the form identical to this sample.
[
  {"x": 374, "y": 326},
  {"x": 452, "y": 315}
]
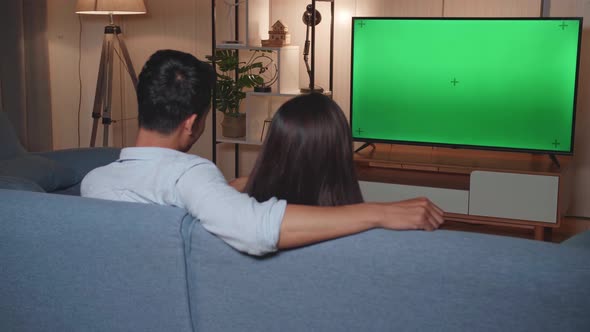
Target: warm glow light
[
  {"x": 110, "y": 7},
  {"x": 344, "y": 17}
]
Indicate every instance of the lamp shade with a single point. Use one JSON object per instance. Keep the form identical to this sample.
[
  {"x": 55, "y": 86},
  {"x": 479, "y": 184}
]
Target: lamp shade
[{"x": 110, "y": 7}]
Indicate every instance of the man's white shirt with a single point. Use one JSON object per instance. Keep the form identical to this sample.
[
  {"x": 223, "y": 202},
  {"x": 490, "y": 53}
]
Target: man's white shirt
[{"x": 169, "y": 177}]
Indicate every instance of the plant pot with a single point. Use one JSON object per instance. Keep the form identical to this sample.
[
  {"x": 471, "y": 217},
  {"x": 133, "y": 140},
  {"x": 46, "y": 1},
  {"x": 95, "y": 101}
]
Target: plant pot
[
  {"x": 265, "y": 89},
  {"x": 233, "y": 127}
]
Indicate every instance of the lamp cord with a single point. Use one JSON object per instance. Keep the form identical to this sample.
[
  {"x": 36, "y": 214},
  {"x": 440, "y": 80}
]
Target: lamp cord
[
  {"x": 124, "y": 65},
  {"x": 79, "y": 74},
  {"x": 122, "y": 61}
]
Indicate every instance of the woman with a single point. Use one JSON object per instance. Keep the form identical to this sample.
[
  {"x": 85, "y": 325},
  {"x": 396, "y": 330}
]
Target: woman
[{"x": 307, "y": 156}]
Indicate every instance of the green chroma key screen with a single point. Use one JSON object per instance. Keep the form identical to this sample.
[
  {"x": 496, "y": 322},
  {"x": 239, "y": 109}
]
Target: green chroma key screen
[{"x": 505, "y": 84}]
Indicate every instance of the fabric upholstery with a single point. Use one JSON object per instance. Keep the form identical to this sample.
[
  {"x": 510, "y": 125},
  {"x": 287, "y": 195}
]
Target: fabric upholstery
[
  {"x": 392, "y": 281},
  {"x": 14, "y": 183},
  {"x": 82, "y": 160},
  {"x": 77, "y": 264},
  {"x": 54, "y": 171},
  {"x": 581, "y": 240},
  {"x": 47, "y": 173},
  {"x": 72, "y": 190},
  {"x": 10, "y": 146}
]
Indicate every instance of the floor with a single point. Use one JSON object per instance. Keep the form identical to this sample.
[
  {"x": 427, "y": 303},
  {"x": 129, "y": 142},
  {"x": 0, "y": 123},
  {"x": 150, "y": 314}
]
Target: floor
[{"x": 568, "y": 228}]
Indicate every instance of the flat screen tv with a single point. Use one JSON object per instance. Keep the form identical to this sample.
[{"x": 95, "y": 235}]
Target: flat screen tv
[{"x": 486, "y": 83}]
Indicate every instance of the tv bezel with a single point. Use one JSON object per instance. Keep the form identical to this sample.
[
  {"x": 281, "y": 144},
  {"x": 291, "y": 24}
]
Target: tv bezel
[{"x": 467, "y": 146}]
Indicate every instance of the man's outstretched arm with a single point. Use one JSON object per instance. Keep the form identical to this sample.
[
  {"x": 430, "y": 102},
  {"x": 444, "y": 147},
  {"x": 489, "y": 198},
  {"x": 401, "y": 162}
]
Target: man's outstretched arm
[{"x": 303, "y": 225}]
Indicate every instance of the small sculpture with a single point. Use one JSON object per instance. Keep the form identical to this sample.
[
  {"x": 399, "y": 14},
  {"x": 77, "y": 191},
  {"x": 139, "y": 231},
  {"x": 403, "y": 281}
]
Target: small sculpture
[
  {"x": 265, "y": 71},
  {"x": 279, "y": 36}
]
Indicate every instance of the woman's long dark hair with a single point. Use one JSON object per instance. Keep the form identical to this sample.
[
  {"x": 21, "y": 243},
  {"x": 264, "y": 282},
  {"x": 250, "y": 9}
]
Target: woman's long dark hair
[{"x": 307, "y": 156}]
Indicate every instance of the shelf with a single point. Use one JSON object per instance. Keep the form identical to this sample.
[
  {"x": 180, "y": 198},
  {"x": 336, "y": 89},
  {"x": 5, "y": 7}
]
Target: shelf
[
  {"x": 449, "y": 160},
  {"x": 254, "y": 47},
  {"x": 242, "y": 27},
  {"x": 238, "y": 141},
  {"x": 274, "y": 94},
  {"x": 291, "y": 93}
]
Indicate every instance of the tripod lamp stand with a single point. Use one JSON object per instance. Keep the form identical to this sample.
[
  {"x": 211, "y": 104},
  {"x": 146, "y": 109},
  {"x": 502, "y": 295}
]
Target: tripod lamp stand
[{"x": 112, "y": 36}]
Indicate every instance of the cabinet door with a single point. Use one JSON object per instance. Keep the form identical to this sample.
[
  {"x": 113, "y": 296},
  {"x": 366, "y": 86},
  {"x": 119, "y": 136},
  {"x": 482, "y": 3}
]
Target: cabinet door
[
  {"x": 450, "y": 200},
  {"x": 514, "y": 196}
]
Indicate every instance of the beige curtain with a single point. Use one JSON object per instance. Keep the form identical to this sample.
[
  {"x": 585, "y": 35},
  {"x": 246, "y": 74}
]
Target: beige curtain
[{"x": 24, "y": 71}]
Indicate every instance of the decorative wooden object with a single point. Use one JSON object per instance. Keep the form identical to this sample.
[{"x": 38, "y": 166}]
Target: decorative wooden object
[{"x": 279, "y": 36}]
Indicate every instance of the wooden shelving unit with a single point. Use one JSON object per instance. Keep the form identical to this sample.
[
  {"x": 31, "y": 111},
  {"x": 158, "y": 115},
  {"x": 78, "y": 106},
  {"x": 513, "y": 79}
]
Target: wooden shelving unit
[{"x": 251, "y": 21}]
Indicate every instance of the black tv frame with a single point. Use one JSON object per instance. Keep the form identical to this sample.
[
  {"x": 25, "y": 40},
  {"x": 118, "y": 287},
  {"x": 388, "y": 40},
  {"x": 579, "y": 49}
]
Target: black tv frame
[{"x": 552, "y": 153}]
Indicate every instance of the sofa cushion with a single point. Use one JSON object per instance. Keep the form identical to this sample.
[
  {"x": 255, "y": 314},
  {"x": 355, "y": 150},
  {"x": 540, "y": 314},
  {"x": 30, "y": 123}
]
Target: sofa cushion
[
  {"x": 391, "y": 281},
  {"x": 14, "y": 183},
  {"x": 9, "y": 144},
  {"x": 82, "y": 160},
  {"x": 48, "y": 174}
]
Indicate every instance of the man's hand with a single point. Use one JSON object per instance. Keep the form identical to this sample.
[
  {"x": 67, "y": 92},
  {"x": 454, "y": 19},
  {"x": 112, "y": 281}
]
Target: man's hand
[
  {"x": 304, "y": 225},
  {"x": 412, "y": 214}
]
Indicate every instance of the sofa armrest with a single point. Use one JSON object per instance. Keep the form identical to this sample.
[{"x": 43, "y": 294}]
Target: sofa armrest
[
  {"x": 581, "y": 240},
  {"x": 82, "y": 160},
  {"x": 16, "y": 183}
]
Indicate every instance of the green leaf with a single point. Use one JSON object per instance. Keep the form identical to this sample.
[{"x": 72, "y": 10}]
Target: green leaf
[{"x": 229, "y": 92}]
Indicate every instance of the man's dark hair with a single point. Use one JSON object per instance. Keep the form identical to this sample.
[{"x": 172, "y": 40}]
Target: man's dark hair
[
  {"x": 306, "y": 157},
  {"x": 172, "y": 86}
]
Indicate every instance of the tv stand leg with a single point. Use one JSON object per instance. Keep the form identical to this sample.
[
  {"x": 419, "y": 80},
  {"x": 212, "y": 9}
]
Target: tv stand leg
[
  {"x": 554, "y": 160},
  {"x": 543, "y": 233},
  {"x": 365, "y": 145},
  {"x": 539, "y": 233},
  {"x": 548, "y": 234}
]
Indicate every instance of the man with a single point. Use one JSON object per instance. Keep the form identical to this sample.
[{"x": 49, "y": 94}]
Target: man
[{"x": 173, "y": 94}]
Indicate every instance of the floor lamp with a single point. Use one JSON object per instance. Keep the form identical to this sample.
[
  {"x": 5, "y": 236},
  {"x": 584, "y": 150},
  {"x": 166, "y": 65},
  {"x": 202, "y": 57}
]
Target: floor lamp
[
  {"x": 311, "y": 18},
  {"x": 112, "y": 36}
]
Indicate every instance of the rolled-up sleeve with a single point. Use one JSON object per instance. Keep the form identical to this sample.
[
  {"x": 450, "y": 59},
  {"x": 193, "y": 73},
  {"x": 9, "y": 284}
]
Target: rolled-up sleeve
[{"x": 239, "y": 220}]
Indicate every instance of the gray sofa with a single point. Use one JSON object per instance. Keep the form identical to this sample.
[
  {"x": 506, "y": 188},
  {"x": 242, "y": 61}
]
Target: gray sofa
[
  {"x": 53, "y": 171},
  {"x": 77, "y": 264},
  {"x": 69, "y": 263}
]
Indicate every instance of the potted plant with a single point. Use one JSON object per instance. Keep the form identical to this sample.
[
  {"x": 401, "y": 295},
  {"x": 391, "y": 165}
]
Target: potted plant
[{"x": 233, "y": 76}]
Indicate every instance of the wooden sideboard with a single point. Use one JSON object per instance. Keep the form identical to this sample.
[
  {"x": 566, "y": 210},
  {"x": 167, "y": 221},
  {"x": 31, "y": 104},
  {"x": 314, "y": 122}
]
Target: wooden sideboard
[{"x": 473, "y": 186}]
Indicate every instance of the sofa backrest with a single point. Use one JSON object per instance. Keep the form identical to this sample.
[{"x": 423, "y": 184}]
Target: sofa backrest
[
  {"x": 76, "y": 264},
  {"x": 392, "y": 281}
]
